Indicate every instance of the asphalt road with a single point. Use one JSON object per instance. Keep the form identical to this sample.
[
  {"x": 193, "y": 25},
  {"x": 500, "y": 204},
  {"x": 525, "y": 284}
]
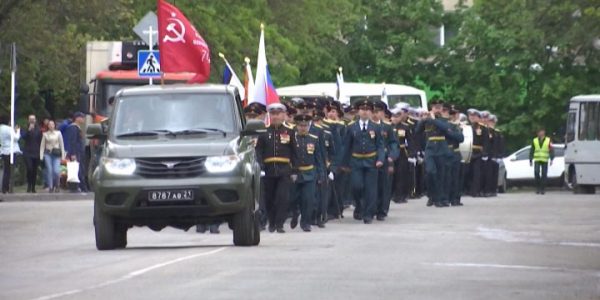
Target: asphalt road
[{"x": 516, "y": 246}]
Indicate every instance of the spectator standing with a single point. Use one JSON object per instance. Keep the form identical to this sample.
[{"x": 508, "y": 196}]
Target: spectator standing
[
  {"x": 75, "y": 147},
  {"x": 6, "y": 135},
  {"x": 32, "y": 136},
  {"x": 52, "y": 151}
]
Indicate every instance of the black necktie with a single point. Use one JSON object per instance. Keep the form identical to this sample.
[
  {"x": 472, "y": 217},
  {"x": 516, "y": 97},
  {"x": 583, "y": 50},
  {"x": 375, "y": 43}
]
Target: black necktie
[{"x": 364, "y": 127}]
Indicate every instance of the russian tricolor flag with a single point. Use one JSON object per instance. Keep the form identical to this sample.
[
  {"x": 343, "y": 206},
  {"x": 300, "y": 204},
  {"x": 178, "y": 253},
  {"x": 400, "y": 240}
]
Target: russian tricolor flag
[{"x": 264, "y": 89}]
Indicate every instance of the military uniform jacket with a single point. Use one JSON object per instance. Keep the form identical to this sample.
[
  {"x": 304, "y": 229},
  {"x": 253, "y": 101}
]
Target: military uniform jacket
[
  {"x": 418, "y": 137},
  {"x": 390, "y": 141},
  {"x": 337, "y": 129},
  {"x": 498, "y": 143},
  {"x": 320, "y": 133},
  {"x": 362, "y": 149},
  {"x": 330, "y": 149},
  {"x": 308, "y": 157},
  {"x": 481, "y": 140},
  {"x": 275, "y": 151}
]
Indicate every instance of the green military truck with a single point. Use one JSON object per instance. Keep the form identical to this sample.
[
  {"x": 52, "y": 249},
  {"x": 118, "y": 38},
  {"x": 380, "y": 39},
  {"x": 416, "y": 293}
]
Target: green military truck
[{"x": 177, "y": 155}]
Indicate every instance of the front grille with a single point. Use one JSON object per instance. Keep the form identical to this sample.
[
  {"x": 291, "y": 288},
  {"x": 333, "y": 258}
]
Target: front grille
[{"x": 170, "y": 167}]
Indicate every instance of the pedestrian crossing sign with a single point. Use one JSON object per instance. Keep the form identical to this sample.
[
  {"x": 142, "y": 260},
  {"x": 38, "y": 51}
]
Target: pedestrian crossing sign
[{"x": 148, "y": 63}]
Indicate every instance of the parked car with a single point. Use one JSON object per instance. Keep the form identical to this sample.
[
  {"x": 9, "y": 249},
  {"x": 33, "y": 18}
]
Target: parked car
[{"x": 519, "y": 172}]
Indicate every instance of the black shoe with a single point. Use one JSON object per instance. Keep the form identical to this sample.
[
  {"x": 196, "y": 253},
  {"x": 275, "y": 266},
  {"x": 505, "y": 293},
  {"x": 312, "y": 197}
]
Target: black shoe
[
  {"x": 457, "y": 204},
  {"x": 294, "y": 221},
  {"x": 380, "y": 218},
  {"x": 368, "y": 221},
  {"x": 537, "y": 192},
  {"x": 321, "y": 224},
  {"x": 214, "y": 229},
  {"x": 305, "y": 228},
  {"x": 29, "y": 189},
  {"x": 543, "y": 192},
  {"x": 33, "y": 191},
  {"x": 437, "y": 204},
  {"x": 201, "y": 228},
  {"x": 429, "y": 203},
  {"x": 357, "y": 216},
  {"x": 271, "y": 229},
  {"x": 280, "y": 230}
]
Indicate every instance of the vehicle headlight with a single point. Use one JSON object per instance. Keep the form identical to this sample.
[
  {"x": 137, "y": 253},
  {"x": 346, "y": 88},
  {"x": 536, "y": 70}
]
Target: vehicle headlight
[
  {"x": 221, "y": 164},
  {"x": 116, "y": 166}
]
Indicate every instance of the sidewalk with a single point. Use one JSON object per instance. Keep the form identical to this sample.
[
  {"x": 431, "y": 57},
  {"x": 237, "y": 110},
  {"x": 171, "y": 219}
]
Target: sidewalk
[{"x": 45, "y": 196}]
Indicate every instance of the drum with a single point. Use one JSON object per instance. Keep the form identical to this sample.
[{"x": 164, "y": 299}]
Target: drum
[{"x": 466, "y": 147}]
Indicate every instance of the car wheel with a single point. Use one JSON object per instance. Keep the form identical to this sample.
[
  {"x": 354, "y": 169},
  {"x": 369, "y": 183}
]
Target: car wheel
[
  {"x": 243, "y": 228},
  {"x": 503, "y": 187},
  {"x": 104, "y": 229}
]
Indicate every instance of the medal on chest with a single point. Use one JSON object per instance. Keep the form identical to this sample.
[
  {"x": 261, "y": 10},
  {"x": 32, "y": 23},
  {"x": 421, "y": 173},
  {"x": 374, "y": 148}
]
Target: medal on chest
[
  {"x": 401, "y": 132},
  {"x": 310, "y": 148},
  {"x": 372, "y": 134},
  {"x": 284, "y": 138},
  {"x": 478, "y": 131}
]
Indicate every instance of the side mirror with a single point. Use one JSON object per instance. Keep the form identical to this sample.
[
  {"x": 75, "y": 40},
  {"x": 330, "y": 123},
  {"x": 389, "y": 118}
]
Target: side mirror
[
  {"x": 513, "y": 159},
  {"x": 95, "y": 131},
  {"x": 84, "y": 98},
  {"x": 253, "y": 127}
]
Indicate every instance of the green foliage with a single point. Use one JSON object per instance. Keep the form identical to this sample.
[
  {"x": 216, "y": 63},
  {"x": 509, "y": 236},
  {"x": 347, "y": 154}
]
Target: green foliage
[{"x": 521, "y": 59}]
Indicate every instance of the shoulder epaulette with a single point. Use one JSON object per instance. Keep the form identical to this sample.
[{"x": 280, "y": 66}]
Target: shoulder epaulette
[
  {"x": 318, "y": 126},
  {"x": 351, "y": 122},
  {"x": 289, "y": 126},
  {"x": 481, "y": 124},
  {"x": 387, "y": 123},
  {"x": 404, "y": 123},
  {"x": 313, "y": 136},
  {"x": 410, "y": 122},
  {"x": 325, "y": 125}
]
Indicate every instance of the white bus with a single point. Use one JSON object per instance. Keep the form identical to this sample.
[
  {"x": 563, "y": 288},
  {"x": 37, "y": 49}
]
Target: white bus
[
  {"x": 582, "y": 140},
  {"x": 352, "y": 92}
]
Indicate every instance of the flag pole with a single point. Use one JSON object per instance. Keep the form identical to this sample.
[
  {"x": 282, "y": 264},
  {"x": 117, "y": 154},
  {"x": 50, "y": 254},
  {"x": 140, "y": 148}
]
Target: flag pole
[{"x": 13, "y": 78}]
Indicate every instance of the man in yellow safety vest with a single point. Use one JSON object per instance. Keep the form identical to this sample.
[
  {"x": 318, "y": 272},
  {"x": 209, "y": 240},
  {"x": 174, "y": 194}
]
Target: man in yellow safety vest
[{"x": 541, "y": 152}]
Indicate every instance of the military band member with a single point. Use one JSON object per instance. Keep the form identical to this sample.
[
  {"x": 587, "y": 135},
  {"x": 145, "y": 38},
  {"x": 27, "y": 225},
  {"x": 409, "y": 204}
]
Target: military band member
[
  {"x": 480, "y": 153},
  {"x": 498, "y": 147},
  {"x": 455, "y": 137},
  {"x": 275, "y": 151},
  {"x": 402, "y": 169},
  {"x": 364, "y": 155}
]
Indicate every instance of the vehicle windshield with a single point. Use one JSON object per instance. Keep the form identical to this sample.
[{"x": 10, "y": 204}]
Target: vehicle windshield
[
  {"x": 413, "y": 100},
  {"x": 173, "y": 113}
]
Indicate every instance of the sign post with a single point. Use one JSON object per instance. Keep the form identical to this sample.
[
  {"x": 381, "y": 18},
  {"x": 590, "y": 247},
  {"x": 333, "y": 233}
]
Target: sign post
[
  {"x": 13, "y": 71},
  {"x": 150, "y": 33}
]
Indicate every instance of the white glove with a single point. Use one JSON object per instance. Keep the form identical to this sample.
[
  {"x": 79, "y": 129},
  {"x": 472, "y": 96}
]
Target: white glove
[
  {"x": 412, "y": 160},
  {"x": 262, "y": 173},
  {"x": 485, "y": 158},
  {"x": 498, "y": 160},
  {"x": 294, "y": 177},
  {"x": 420, "y": 160},
  {"x": 331, "y": 177}
]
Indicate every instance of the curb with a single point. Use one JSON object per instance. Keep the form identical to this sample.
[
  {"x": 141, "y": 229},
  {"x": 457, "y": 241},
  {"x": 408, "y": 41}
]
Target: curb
[{"x": 22, "y": 197}]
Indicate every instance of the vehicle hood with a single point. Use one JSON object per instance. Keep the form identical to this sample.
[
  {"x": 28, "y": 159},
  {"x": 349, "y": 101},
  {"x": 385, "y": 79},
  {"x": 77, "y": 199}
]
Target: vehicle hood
[{"x": 163, "y": 146}]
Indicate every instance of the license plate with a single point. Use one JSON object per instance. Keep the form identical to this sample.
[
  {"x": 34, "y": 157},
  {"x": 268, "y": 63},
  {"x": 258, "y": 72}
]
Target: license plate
[{"x": 171, "y": 195}]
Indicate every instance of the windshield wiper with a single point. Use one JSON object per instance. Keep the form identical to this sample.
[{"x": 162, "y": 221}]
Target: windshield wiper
[
  {"x": 139, "y": 133},
  {"x": 197, "y": 131}
]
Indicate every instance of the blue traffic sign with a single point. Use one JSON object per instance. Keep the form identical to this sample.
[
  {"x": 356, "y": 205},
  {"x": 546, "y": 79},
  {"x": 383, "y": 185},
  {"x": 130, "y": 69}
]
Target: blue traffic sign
[{"x": 148, "y": 63}]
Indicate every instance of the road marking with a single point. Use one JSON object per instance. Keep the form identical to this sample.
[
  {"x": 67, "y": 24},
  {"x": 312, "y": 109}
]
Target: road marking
[
  {"x": 130, "y": 275},
  {"x": 516, "y": 267},
  {"x": 525, "y": 237}
]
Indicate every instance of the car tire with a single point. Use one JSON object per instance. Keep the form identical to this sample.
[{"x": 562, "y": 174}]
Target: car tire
[
  {"x": 256, "y": 239},
  {"x": 104, "y": 229},
  {"x": 120, "y": 236},
  {"x": 243, "y": 228},
  {"x": 503, "y": 187}
]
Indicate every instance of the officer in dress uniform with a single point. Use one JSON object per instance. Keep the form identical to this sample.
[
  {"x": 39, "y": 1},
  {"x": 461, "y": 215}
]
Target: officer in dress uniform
[
  {"x": 363, "y": 155},
  {"x": 338, "y": 128},
  {"x": 480, "y": 153},
  {"x": 391, "y": 149},
  {"x": 330, "y": 164},
  {"x": 309, "y": 165},
  {"x": 307, "y": 107},
  {"x": 275, "y": 151}
]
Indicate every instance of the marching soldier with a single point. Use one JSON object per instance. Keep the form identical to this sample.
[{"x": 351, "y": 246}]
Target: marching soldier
[
  {"x": 338, "y": 128},
  {"x": 488, "y": 185},
  {"x": 391, "y": 149},
  {"x": 330, "y": 163},
  {"x": 364, "y": 154},
  {"x": 402, "y": 167},
  {"x": 309, "y": 166},
  {"x": 480, "y": 153},
  {"x": 275, "y": 151}
]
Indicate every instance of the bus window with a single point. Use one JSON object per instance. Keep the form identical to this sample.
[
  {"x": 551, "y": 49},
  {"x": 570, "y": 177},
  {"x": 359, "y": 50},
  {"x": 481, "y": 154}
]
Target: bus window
[
  {"x": 571, "y": 127},
  {"x": 589, "y": 121},
  {"x": 413, "y": 100}
]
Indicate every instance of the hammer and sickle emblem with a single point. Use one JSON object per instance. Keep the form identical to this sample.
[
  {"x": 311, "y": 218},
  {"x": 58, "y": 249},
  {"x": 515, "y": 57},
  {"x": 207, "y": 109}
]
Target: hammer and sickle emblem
[{"x": 178, "y": 33}]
